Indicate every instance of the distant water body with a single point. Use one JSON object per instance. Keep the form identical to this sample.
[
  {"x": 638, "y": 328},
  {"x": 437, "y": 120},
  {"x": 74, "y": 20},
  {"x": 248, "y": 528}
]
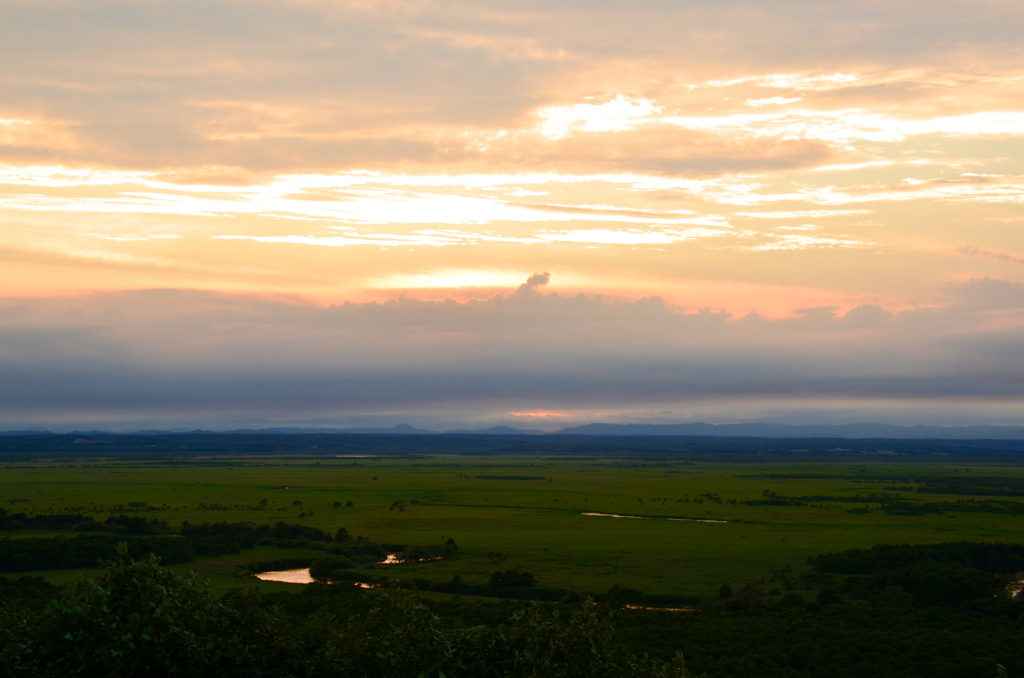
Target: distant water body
[{"x": 679, "y": 520}]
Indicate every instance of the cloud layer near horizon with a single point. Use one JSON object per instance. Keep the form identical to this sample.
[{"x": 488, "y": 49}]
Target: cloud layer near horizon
[
  {"x": 332, "y": 199},
  {"x": 160, "y": 356}
]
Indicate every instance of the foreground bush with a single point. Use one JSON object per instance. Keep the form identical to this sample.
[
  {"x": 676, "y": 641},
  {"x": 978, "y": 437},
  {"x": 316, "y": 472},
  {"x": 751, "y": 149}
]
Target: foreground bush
[{"x": 138, "y": 619}]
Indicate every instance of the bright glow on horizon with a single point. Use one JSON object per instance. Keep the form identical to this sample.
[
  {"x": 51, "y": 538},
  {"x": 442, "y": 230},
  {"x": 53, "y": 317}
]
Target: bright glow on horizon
[{"x": 540, "y": 415}]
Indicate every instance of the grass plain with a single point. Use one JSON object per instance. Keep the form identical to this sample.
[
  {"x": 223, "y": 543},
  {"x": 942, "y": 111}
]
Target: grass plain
[{"x": 531, "y": 509}]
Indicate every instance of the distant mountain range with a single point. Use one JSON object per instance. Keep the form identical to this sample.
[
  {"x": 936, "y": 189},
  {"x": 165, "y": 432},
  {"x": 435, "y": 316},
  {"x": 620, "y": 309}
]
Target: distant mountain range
[
  {"x": 752, "y": 430},
  {"x": 768, "y": 430}
]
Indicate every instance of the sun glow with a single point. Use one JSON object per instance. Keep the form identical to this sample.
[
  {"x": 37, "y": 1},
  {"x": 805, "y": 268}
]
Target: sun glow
[
  {"x": 450, "y": 279},
  {"x": 618, "y": 114},
  {"x": 542, "y": 414}
]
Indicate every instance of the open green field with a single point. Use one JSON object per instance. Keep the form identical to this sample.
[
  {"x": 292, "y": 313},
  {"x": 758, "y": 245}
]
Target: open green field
[{"x": 531, "y": 509}]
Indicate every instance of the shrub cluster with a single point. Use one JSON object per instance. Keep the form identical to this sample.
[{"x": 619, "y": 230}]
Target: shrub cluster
[{"x": 138, "y": 619}]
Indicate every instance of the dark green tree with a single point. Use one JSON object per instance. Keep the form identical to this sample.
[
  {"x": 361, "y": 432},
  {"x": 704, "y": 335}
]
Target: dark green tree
[{"x": 138, "y": 619}]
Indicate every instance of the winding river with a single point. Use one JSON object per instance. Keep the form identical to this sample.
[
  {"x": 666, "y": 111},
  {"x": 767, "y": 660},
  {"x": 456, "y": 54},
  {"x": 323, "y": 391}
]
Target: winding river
[{"x": 678, "y": 520}]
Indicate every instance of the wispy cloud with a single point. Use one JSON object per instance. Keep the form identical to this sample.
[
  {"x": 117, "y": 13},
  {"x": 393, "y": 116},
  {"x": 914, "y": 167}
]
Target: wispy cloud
[{"x": 988, "y": 254}]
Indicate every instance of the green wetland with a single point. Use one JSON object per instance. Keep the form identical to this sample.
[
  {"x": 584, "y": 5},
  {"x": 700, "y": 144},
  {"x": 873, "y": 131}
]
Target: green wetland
[
  {"x": 533, "y": 510},
  {"x": 735, "y": 536}
]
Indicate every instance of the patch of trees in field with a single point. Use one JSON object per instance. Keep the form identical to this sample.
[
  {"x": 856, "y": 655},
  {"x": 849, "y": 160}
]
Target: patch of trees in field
[
  {"x": 120, "y": 524},
  {"x": 512, "y": 578},
  {"x": 341, "y": 560},
  {"x": 959, "y": 482},
  {"x": 938, "y": 610},
  {"x": 419, "y": 553},
  {"x": 969, "y": 484},
  {"x": 930, "y": 575},
  {"x": 509, "y": 477},
  {"x": 85, "y": 551},
  {"x": 203, "y": 539},
  {"x": 893, "y": 504},
  {"x": 837, "y": 640},
  {"x": 1002, "y": 507},
  {"x": 984, "y": 556}
]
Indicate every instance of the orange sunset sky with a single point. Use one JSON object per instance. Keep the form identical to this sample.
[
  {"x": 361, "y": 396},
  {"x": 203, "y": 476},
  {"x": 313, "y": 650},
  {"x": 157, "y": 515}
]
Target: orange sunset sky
[{"x": 459, "y": 214}]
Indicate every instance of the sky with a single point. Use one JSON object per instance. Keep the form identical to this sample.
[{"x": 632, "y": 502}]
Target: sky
[{"x": 329, "y": 213}]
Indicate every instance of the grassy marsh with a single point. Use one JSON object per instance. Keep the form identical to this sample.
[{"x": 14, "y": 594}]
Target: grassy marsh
[{"x": 530, "y": 509}]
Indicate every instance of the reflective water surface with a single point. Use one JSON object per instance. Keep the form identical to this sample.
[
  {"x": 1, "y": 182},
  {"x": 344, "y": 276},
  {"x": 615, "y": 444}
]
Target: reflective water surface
[
  {"x": 300, "y": 576},
  {"x": 680, "y": 520}
]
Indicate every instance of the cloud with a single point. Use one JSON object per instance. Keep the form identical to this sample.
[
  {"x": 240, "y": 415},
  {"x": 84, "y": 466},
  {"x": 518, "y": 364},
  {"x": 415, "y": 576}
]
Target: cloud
[
  {"x": 158, "y": 355},
  {"x": 867, "y": 316},
  {"x": 991, "y": 293},
  {"x": 536, "y": 280},
  {"x": 972, "y": 251},
  {"x": 721, "y": 154},
  {"x": 274, "y": 86},
  {"x": 801, "y": 214},
  {"x": 802, "y": 242},
  {"x": 18, "y": 313}
]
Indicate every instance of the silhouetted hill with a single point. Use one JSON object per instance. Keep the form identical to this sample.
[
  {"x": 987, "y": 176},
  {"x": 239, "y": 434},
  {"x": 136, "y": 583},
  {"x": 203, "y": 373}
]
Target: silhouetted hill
[
  {"x": 767, "y": 430},
  {"x": 763, "y": 430},
  {"x": 498, "y": 431}
]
